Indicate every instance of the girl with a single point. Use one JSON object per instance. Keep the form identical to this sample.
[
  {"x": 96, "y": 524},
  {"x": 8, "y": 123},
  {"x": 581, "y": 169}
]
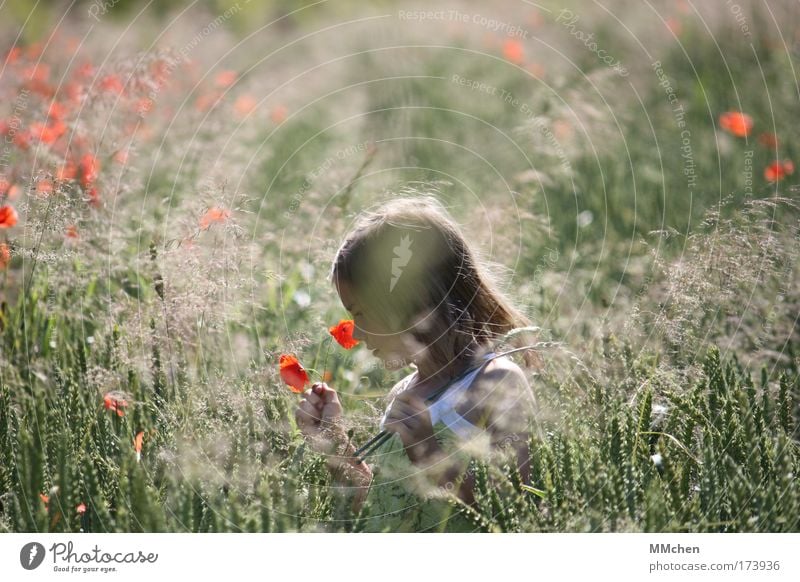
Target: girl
[{"x": 420, "y": 297}]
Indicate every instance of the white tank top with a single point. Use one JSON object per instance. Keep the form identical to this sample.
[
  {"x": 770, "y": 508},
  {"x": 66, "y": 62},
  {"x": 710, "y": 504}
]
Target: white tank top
[{"x": 443, "y": 409}]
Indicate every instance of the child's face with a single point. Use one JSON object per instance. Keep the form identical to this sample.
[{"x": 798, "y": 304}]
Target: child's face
[{"x": 396, "y": 349}]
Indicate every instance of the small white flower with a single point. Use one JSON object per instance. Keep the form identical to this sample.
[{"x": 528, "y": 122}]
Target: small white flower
[
  {"x": 302, "y": 298},
  {"x": 585, "y": 218},
  {"x": 657, "y": 459}
]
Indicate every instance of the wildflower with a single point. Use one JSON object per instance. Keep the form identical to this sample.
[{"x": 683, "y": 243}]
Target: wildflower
[
  {"x": 213, "y": 215},
  {"x": 67, "y": 171},
  {"x": 278, "y": 114},
  {"x": 244, "y": 105},
  {"x": 48, "y": 132},
  {"x": 114, "y": 404},
  {"x": 5, "y": 255},
  {"x": 778, "y": 170},
  {"x": 513, "y": 51},
  {"x": 342, "y": 332},
  {"x": 736, "y": 122},
  {"x": 71, "y": 231},
  {"x": 226, "y": 78},
  {"x": 121, "y": 156},
  {"x": 137, "y": 445},
  {"x": 293, "y": 372},
  {"x": 44, "y": 188},
  {"x": 45, "y": 498},
  {"x": 8, "y": 216},
  {"x": 674, "y": 26},
  {"x": 144, "y": 105},
  {"x": 80, "y": 508},
  {"x": 56, "y": 110},
  {"x": 112, "y": 84},
  {"x": 769, "y": 140},
  {"x": 90, "y": 167}
]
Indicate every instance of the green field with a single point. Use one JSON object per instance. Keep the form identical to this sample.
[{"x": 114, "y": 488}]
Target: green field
[{"x": 181, "y": 179}]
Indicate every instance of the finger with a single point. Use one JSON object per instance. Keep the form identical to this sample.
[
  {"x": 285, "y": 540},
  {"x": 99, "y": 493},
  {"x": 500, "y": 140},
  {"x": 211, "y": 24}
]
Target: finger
[
  {"x": 307, "y": 412},
  {"x": 405, "y": 409},
  {"x": 396, "y": 426},
  {"x": 412, "y": 400},
  {"x": 312, "y": 397},
  {"x": 327, "y": 394}
]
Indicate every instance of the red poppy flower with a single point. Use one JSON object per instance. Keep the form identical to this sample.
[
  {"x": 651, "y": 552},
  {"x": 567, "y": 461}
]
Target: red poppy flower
[
  {"x": 778, "y": 170},
  {"x": 114, "y": 404},
  {"x": 90, "y": 168},
  {"x": 45, "y": 499},
  {"x": 293, "y": 373},
  {"x": 342, "y": 332},
  {"x": 769, "y": 140},
  {"x": 5, "y": 255},
  {"x": 226, "y": 78},
  {"x": 736, "y": 122},
  {"x": 514, "y": 51},
  {"x": 214, "y": 215},
  {"x": 137, "y": 445},
  {"x": 8, "y": 216},
  {"x": 278, "y": 114},
  {"x": 112, "y": 84},
  {"x": 81, "y": 508}
]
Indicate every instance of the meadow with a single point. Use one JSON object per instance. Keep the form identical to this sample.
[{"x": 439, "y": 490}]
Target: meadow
[{"x": 174, "y": 184}]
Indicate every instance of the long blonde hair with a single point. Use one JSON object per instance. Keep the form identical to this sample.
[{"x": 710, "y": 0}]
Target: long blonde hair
[{"x": 408, "y": 257}]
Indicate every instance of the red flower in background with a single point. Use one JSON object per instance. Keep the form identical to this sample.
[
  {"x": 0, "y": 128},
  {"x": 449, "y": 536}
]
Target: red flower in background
[
  {"x": 342, "y": 332},
  {"x": 81, "y": 508},
  {"x": 5, "y": 255},
  {"x": 293, "y": 372},
  {"x": 736, "y": 122},
  {"x": 90, "y": 168},
  {"x": 137, "y": 445},
  {"x": 777, "y": 171},
  {"x": 769, "y": 140},
  {"x": 8, "y": 216},
  {"x": 514, "y": 51},
  {"x": 114, "y": 404},
  {"x": 214, "y": 215}
]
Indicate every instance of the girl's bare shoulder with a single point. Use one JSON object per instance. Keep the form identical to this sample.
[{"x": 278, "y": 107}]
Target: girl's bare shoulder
[
  {"x": 503, "y": 371},
  {"x": 499, "y": 387}
]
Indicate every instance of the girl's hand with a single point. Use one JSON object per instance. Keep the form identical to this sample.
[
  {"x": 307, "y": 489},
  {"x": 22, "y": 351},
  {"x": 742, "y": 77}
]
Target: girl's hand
[
  {"x": 319, "y": 417},
  {"x": 409, "y": 417}
]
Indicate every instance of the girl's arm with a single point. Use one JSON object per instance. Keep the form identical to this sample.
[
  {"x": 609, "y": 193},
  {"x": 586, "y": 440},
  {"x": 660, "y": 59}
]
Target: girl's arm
[
  {"x": 348, "y": 476},
  {"x": 319, "y": 417}
]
